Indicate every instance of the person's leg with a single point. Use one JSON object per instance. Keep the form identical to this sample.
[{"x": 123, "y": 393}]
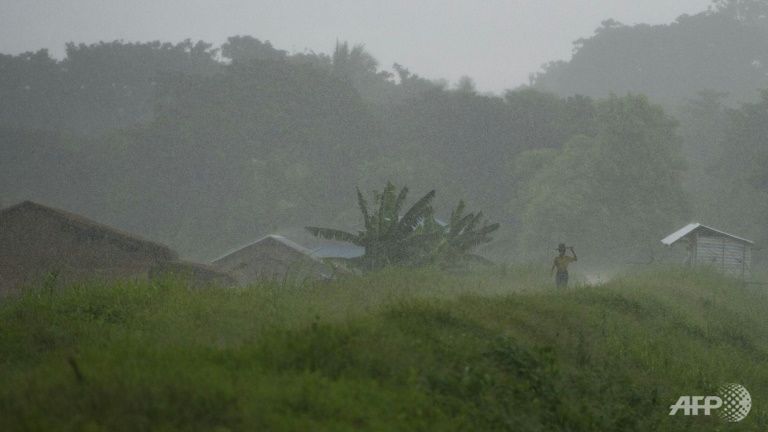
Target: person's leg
[{"x": 562, "y": 279}]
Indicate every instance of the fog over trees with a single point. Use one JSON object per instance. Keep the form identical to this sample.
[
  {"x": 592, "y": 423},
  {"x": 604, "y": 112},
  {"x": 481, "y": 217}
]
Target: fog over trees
[{"x": 205, "y": 147}]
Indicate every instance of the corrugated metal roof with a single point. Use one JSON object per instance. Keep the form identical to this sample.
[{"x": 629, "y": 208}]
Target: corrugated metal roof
[
  {"x": 695, "y": 226},
  {"x": 290, "y": 243},
  {"x": 276, "y": 237}
]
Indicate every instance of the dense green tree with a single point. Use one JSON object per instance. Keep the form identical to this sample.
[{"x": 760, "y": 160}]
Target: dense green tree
[
  {"x": 376, "y": 86},
  {"x": 96, "y": 87},
  {"x": 703, "y": 121},
  {"x": 615, "y": 194},
  {"x": 475, "y": 138},
  {"x": 267, "y": 139},
  {"x": 205, "y": 155},
  {"x": 720, "y": 49},
  {"x": 112, "y": 85},
  {"x": 248, "y": 48},
  {"x": 32, "y": 91},
  {"x": 738, "y": 197}
]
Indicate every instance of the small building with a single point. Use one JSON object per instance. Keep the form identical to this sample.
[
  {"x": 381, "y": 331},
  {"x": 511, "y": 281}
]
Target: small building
[
  {"x": 273, "y": 257},
  {"x": 711, "y": 247},
  {"x": 37, "y": 241}
]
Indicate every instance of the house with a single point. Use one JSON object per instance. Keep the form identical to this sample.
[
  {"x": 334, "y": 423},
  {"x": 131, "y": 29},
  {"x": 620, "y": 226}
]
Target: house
[
  {"x": 711, "y": 247},
  {"x": 273, "y": 257},
  {"x": 342, "y": 256},
  {"x": 37, "y": 241}
]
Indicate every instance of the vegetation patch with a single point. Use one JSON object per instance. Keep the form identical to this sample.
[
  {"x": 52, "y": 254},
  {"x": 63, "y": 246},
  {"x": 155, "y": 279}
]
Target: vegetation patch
[{"x": 407, "y": 350}]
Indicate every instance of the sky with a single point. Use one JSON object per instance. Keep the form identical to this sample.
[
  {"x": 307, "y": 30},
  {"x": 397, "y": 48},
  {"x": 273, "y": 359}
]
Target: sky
[{"x": 497, "y": 43}]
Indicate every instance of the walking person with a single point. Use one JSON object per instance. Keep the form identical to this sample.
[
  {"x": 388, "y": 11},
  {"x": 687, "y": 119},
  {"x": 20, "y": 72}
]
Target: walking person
[{"x": 561, "y": 265}]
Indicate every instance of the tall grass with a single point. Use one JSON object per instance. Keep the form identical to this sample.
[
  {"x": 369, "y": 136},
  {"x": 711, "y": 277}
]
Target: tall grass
[{"x": 417, "y": 350}]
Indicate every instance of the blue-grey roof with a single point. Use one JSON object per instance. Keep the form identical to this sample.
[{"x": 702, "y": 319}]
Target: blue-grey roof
[{"x": 337, "y": 250}]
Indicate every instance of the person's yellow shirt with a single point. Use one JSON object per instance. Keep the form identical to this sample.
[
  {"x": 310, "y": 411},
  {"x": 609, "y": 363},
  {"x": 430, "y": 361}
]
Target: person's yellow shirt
[{"x": 561, "y": 262}]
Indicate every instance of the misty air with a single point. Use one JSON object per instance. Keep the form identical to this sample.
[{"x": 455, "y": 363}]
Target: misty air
[{"x": 357, "y": 215}]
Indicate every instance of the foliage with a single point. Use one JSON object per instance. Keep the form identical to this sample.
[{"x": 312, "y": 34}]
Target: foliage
[
  {"x": 405, "y": 350},
  {"x": 739, "y": 176},
  {"x": 460, "y": 237},
  {"x": 388, "y": 238},
  {"x": 720, "y": 49},
  {"x": 96, "y": 87},
  {"x": 248, "y": 48},
  {"x": 614, "y": 195},
  {"x": 167, "y": 141},
  {"x": 414, "y": 239}
]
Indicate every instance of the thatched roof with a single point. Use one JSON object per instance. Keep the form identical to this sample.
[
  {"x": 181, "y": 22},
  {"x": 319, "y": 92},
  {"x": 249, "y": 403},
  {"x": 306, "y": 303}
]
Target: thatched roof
[{"x": 88, "y": 228}]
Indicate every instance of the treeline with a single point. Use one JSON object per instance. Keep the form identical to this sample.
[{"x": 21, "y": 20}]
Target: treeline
[
  {"x": 707, "y": 70},
  {"x": 206, "y": 148},
  {"x": 720, "y": 49}
]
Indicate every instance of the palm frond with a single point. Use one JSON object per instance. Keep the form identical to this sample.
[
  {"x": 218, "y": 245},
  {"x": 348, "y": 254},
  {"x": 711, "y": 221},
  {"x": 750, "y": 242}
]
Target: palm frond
[
  {"x": 363, "y": 204},
  {"x": 456, "y": 215},
  {"x": 416, "y": 213},
  {"x": 487, "y": 229},
  {"x": 459, "y": 227},
  {"x": 473, "y": 222},
  {"x": 399, "y": 201}
]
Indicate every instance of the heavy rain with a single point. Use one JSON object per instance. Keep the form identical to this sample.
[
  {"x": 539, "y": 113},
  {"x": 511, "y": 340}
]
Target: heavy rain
[{"x": 403, "y": 215}]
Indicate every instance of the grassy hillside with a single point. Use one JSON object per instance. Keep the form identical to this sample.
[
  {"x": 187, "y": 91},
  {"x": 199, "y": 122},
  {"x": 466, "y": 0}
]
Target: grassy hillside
[{"x": 412, "y": 351}]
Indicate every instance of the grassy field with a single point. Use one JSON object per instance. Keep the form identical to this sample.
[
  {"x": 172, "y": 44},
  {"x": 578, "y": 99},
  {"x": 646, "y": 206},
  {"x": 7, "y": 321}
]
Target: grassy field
[{"x": 392, "y": 351}]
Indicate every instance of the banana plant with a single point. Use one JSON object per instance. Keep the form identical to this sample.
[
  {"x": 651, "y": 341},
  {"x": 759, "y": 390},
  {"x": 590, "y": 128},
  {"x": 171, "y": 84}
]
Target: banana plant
[
  {"x": 416, "y": 238},
  {"x": 463, "y": 233},
  {"x": 387, "y": 237}
]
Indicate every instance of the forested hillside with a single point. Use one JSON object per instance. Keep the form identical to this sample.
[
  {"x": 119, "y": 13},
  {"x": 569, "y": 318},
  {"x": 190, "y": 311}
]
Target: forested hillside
[
  {"x": 205, "y": 148},
  {"x": 710, "y": 72},
  {"x": 720, "y": 49}
]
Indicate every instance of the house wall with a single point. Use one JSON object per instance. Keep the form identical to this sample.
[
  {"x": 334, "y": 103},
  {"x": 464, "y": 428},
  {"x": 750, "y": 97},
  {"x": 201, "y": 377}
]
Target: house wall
[
  {"x": 724, "y": 254},
  {"x": 34, "y": 244},
  {"x": 270, "y": 260}
]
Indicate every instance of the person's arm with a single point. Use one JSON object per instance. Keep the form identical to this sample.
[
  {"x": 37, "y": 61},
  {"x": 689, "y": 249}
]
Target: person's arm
[
  {"x": 554, "y": 265},
  {"x": 574, "y": 254}
]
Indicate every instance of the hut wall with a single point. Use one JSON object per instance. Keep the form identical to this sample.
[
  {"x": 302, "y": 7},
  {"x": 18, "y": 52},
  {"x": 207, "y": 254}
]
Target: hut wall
[
  {"x": 270, "y": 260},
  {"x": 723, "y": 253}
]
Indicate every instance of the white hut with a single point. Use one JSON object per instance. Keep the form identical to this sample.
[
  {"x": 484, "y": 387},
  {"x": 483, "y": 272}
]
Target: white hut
[{"x": 711, "y": 247}]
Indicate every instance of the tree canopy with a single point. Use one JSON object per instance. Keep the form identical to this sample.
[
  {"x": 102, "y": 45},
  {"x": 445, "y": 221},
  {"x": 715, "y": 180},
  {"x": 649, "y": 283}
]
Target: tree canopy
[
  {"x": 201, "y": 147},
  {"x": 720, "y": 49}
]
